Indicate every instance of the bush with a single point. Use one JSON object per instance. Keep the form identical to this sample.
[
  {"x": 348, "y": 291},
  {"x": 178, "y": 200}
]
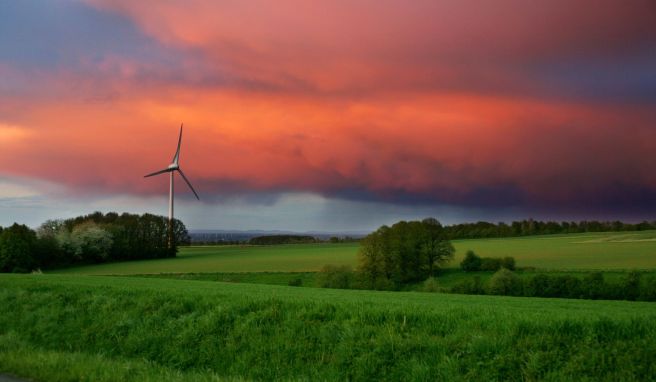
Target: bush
[
  {"x": 570, "y": 287},
  {"x": 566, "y": 286},
  {"x": 490, "y": 264},
  {"x": 430, "y": 285},
  {"x": 505, "y": 282},
  {"x": 473, "y": 286},
  {"x": 537, "y": 286},
  {"x": 631, "y": 286},
  {"x": 335, "y": 276},
  {"x": 593, "y": 286},
  {"x": 471, "y": 262},
  {"x": 296, "y": 281},
  {"x": 648, "y": 290},
  {"x": 508, "y": 263}
]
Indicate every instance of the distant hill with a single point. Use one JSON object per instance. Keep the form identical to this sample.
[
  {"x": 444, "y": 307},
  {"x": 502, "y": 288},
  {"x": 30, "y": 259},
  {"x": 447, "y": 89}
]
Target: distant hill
[{"x": 282, "y": 239}]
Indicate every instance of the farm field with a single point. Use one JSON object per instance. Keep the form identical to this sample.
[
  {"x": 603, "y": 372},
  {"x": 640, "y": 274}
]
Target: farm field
[
  {"x": 72, "y": 327},
  {"x": 602, "y": 251}
]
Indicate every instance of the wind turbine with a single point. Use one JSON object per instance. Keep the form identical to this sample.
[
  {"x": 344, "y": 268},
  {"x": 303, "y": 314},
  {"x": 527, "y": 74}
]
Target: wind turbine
[{"x": 173, "y": 167}]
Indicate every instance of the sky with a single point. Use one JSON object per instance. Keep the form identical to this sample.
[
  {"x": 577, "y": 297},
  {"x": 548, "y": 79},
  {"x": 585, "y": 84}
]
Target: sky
[{"x": 329, "y": 115}]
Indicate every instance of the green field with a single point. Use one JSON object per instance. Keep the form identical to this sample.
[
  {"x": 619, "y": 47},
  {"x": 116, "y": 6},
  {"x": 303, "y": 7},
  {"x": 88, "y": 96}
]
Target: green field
[
  {"x": 63, "y": 327},
  {"x": 603, "y": 251},
  {"x": 446, "y": 278}
]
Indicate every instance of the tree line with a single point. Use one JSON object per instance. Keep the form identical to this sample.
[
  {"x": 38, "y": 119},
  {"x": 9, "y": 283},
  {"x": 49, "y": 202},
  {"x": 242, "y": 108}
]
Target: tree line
[
  {"x": 535, "y": 227},
  {"x": 481, "y": 229},
  {"x": 282, "y": 239},
  {"x": 592, "y": 286},
  {"x": 408, "y": 255},
  {"x": 93, "y": 238}
]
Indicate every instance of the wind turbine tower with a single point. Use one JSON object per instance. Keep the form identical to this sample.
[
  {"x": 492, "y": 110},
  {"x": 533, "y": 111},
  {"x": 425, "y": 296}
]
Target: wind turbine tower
[{"x": 173, "y": 167}]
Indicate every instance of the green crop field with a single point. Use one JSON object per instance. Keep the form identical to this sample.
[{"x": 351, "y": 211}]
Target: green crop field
[
  {"x": 72, "y": 327},
  {"x": 625, "y": 250}
]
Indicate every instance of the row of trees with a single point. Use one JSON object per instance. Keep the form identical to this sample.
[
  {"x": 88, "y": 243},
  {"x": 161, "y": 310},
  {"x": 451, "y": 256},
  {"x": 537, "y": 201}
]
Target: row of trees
[
  {"x": 592, "y": 286},
  {"x": 535, "y": 227},
  {"x": 90, "y": 238},
  {"x": 474, "y": 263},
  {"x": 282, "y": 239}
]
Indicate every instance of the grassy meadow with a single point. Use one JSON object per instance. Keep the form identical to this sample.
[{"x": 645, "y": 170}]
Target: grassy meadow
[
  {"x": 602, "y": 251},
  {"x": 71, "y": 327},
  {"x": 158, "y": 325}
]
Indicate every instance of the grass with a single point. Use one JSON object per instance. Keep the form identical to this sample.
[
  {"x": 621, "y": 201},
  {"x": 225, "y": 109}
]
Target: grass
[
  {"x": 280, "y": 258},
  {"x": 603, "y": 251},
  {"x": 22, "y": 358},
  {"x": 613, "y": 250},
  {"x": 57, "y": 327}
]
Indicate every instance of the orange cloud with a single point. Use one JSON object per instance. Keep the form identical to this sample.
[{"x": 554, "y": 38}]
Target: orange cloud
[{"x": 429, "y": 103}]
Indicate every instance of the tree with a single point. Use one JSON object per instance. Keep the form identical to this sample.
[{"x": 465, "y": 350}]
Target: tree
[
  {"x": 91, "y": 242},
  {"x": 375, "y": 259},
  {"x": 436, "y": 250},
  {"x": 50, "y": 228},
  {"x": 405, "y": 252},
  {"x": 49, "y": 252},
  {"x": 471, "y": 262},
  {"x": 17, "y": 247}
]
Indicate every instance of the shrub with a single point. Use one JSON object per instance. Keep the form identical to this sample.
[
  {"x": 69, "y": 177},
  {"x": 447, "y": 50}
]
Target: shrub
[
  {"x": 537, "y": 286},
  {"x": 570, "y": 287},
  {"x": 335, "y": 276},
  {"x": 648, "y": 290},
  {"x": 505, "y": 282},
  {"x": 593, "y": 286},
  {"x": 471, "y": 262},
  {"x": 490, "y": 264},
  {"x": 631, "y": 286},
  {"x": 296, "y": 281},
  {"x": 473, "y": 286},
  {"x": 508, "y": 263},
  {"x": 566, "y": 286},
  {"x": 430, "y": 285}
]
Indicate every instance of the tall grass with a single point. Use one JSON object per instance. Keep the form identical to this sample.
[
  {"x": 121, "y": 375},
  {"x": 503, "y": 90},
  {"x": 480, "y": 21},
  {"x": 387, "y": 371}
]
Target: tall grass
[{"x": 206, "y": 330}]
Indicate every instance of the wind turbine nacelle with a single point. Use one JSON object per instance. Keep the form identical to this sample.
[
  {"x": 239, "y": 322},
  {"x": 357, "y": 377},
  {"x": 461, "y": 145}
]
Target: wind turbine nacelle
[{"x": 173, "y": 166}]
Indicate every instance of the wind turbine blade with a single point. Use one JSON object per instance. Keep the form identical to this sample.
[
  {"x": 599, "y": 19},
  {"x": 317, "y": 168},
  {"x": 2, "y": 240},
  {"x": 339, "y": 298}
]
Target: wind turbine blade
[
  {"x": 177, "y": 152},
  {"x": 157, "y": 172},
  {"x": 188, "y": 184}
]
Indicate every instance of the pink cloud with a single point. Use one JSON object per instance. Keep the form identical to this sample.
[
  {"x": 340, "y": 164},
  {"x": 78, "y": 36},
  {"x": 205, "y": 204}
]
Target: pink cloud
[{"x": 378, "y": 99}]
